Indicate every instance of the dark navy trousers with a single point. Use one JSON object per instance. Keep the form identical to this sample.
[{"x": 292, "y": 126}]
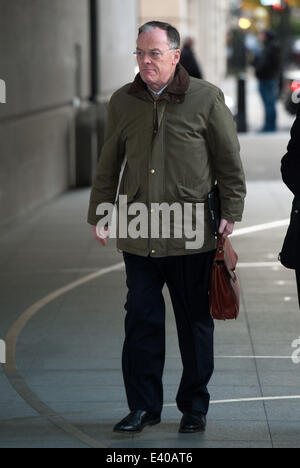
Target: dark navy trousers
[{"x": 187, "y": 278}]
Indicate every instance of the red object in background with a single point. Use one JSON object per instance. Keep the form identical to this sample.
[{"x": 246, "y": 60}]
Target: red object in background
[
  {"x": 295, "y": 85},
  {"x": 280, "y": 6}
]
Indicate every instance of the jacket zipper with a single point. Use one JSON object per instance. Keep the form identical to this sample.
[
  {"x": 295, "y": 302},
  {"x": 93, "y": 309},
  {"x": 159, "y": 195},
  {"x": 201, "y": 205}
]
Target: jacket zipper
[{"x": 155, "y": 120}]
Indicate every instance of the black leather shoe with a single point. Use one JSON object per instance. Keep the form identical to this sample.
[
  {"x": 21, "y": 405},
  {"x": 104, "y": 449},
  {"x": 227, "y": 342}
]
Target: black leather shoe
[
  {"x": 136, "y": 421},
  {"x": 192, "y": 423}
]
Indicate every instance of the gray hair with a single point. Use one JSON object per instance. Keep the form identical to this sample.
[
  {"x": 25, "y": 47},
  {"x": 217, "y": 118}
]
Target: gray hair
[{"x": 172, "y": 33}]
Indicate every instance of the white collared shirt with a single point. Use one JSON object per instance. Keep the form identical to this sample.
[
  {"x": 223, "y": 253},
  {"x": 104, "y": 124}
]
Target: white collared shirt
[{"x": 158, "y": 93}]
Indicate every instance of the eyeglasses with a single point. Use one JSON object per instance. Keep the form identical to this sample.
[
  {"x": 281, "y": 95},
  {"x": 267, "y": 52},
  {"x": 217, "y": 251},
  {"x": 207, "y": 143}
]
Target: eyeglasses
[{"x": 153, "y": 54}]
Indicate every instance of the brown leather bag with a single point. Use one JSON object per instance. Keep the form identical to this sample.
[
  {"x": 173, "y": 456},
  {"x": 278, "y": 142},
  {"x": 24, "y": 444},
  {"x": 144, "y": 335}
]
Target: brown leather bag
[{"x": 224, "y": 294}]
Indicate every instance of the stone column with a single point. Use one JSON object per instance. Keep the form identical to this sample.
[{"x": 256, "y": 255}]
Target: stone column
[
  {"x": 117, "y": 41},
  {"x": 207, "y": 21},
  {"x": 170, "y": 11}
]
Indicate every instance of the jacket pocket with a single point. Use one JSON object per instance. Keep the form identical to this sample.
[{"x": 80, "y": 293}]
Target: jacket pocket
[
  {"x": 132, "y": 194},
  {"x": 190, "y": 194}
]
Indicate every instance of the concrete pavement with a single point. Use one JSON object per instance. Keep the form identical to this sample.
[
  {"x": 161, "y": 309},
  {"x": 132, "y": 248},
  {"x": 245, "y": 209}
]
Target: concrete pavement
[{"x": 61, "y": 304}]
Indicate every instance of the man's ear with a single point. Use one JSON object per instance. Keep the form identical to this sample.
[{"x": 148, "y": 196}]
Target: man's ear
[{"x": 176, "y": 56}]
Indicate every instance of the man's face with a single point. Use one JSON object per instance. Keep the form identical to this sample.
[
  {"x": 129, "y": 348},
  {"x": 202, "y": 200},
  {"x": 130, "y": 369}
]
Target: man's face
[{"x": 156, "y": 72}]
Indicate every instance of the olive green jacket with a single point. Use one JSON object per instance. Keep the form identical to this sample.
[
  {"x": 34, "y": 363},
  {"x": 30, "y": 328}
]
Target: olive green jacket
[{"x": 173, "y": 149}]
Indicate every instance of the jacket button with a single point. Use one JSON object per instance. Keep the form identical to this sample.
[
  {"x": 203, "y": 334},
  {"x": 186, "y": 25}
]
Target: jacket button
[
  {"x": 152, "y": 171},
  {"x": 153, "y": 252},
  {"x": 296, "y": 211}
]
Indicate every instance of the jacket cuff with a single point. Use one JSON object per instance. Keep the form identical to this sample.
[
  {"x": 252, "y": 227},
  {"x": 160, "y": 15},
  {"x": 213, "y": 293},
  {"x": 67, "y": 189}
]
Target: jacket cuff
[{"x": 233, "y": 214}]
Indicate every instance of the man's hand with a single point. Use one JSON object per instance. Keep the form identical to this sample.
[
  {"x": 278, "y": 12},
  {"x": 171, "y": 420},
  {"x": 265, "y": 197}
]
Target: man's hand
[
  {"x": 101, "y": 236},
  {"x": 226, "y": 227}
]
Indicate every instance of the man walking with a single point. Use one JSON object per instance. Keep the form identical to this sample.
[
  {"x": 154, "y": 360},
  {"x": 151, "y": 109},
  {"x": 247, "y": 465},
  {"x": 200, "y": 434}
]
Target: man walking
[
  {"x": 290, "y": 169},
  {"x": 267, "y": 68},
  {"x": 174, "y": 138},
  {"x": 188, "y": 59}
]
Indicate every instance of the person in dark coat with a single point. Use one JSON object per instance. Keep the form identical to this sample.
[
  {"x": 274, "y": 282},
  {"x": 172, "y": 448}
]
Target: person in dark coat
[
  {"x": 290, "y": 169},
  {"x": 267, "y": 67},
  {"x": 188, "y": 60}
]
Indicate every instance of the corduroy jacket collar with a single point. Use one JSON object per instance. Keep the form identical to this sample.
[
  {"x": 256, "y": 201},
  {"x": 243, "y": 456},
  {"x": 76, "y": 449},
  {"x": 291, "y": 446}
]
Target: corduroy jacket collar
[{"x": 175, "y": 92}]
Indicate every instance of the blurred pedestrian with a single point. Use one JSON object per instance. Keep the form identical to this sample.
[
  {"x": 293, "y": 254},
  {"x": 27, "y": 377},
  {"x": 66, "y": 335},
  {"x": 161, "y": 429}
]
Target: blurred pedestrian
[
  {"x": 188, "y": 59},
  {"x": 268, "y": 67},
  {"x": 290, "y": 168},
  {"x": 178, "y": 138}
]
